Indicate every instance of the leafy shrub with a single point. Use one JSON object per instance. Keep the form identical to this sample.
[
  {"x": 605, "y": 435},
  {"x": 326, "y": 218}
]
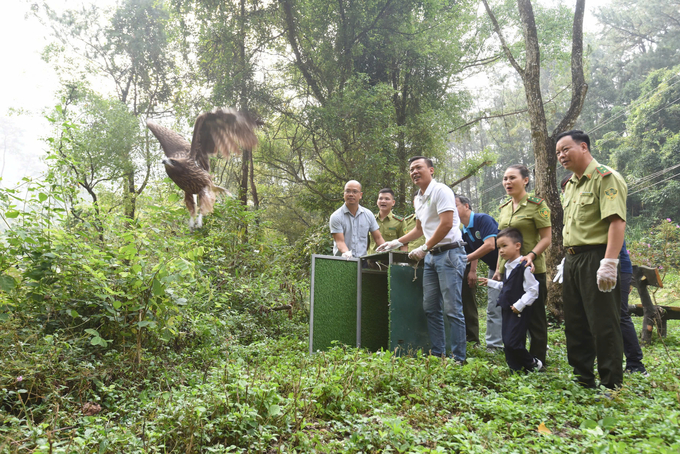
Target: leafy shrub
[{"x": 659, "y": 248}]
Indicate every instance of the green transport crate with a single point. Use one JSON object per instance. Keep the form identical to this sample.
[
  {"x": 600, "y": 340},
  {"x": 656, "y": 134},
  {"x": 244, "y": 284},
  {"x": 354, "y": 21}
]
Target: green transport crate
[{"x": 375, "y": 302}]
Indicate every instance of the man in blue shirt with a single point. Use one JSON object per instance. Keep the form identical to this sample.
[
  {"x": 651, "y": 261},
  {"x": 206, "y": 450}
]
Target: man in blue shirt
[
  {"x": 479, "y": 232},
  {"x": 351, "y": 223}
]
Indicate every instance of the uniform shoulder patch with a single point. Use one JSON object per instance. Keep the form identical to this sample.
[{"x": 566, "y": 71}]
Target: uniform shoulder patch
[
  {"x": 506, "y": 202},
  {"x": 611, "y": 193},
  {"x": 536, "y": 200},
  {"x": 604, "y": 171},
  {"x": 409, "y": 217},
  {"x": 398, "y": 218}
]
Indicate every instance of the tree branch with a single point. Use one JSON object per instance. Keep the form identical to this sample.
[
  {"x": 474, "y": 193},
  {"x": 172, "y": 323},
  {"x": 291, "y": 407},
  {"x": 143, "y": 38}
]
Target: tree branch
[
  {"x": 470, "y": 174},
  {"x": 498, "y": 31},
  {"x": 293, "y": 41},
  {"x": 578, "y": 81}
]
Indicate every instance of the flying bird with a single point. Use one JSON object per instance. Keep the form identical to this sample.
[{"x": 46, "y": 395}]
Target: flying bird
[{"x": 188, "y": 164}]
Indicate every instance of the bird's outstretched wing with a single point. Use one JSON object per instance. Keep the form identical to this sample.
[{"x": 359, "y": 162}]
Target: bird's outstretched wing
[
  {"x": 173, "y": 144},
  {"x": 223, "y": 131}
]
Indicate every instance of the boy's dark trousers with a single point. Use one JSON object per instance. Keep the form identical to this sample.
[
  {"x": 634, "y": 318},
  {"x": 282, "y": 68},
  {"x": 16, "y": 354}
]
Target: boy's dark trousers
[{"x": 515, "y": 337}]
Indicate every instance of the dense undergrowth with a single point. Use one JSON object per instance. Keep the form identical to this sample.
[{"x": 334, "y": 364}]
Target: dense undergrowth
[
  {"x": 216, "y": 394},
  {"x": 144, "y": 337}
]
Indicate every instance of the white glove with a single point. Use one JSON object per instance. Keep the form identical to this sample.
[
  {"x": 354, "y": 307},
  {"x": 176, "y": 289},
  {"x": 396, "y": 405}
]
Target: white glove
[
  {"x": 389, "y": 246},
  {"x": 347, "y": 255},
  {"x": 418, "y": 253},
  {"x": 559, "y": 276},
  {"x": 606, "y": 274}
]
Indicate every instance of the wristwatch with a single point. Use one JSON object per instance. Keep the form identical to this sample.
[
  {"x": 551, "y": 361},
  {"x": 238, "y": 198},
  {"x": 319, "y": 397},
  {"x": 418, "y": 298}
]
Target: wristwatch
[{"x": 424, "y": 247}]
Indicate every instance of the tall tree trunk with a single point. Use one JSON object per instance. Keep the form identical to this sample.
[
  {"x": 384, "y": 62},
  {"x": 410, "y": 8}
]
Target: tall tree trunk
[
  {"x": 253, "y": 186},
  {"x": 543, "y": 143},
  {"x": 130, "y": 195},
  {"x": 243, "y": 185}
]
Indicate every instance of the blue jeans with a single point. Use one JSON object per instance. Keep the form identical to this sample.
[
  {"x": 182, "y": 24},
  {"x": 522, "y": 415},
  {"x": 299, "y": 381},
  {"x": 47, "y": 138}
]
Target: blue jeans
[{"x": 442, "y": 286}]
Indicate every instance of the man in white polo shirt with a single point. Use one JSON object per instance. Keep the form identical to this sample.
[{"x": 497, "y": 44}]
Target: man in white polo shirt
[{"x": 445, "y": 258}]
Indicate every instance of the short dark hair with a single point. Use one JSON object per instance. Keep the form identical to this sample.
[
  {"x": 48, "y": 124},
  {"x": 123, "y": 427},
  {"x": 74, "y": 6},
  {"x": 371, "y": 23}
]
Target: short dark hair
[
  {"x": 428, "y": 161},
  {"x": 386, "y": 191},
  {"x": 513, "y": 234},
  {"x": 577, "y": 135},
  {"x": 464, "y": 201}
]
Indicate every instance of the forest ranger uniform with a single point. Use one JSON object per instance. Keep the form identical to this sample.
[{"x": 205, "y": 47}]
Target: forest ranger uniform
[
  {"x": 391, "y": 228},
  {"x": 532, "y": 214},
  {"x": 592, "y": 317},
  {"x": 410, "y": 224}
]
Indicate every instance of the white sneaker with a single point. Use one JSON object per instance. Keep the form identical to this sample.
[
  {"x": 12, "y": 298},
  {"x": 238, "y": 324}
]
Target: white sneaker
[{"x": 538, "y": 365}]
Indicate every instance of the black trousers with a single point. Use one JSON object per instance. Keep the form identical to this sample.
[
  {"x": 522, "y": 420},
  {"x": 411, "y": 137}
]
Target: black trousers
[
  {"x": 538, "y": 325},
  {"x": 592, "y": 321},
  {"x": 631, "y": 346},
  {"x": 515, "y": 337},
  {"x": 470, "y": 310}
]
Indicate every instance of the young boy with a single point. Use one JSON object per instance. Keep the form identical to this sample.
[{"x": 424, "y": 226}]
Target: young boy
[{"x": 519, "y": 290}]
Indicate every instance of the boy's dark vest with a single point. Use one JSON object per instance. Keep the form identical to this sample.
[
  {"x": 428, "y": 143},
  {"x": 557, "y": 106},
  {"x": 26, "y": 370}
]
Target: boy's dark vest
[{"x": 513, "y": 287}]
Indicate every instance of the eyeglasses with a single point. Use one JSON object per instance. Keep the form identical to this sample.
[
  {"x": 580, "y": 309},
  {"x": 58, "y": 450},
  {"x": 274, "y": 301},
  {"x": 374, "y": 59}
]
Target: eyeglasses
[{"x": 351, "y": 191}]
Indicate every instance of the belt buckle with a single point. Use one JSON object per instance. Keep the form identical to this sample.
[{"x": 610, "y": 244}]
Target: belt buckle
[{"x": 571, "y": 251}]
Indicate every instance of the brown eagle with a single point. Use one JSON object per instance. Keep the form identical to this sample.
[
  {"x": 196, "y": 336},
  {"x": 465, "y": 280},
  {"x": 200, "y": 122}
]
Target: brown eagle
[{"x": 188, "y": 164}]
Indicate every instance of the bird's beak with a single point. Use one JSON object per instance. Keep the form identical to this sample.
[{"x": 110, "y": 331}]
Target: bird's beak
[{"x": 167, "y": 162}]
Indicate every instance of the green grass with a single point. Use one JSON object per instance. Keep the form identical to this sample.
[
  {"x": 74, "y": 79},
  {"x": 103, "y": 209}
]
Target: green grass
[
  {"x": 669, "y": 295},
  {"x": 214, "y": 394}
]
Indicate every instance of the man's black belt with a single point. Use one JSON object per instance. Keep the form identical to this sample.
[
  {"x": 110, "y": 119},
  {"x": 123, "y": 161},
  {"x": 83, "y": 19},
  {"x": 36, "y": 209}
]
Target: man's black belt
[
  {"x": 573, "y": 250},
  {"x": 446, "y": 247}
]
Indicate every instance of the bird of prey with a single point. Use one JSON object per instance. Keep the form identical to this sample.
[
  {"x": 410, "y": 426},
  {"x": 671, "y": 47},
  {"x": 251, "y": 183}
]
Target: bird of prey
[{"x": 188, "y": 164}]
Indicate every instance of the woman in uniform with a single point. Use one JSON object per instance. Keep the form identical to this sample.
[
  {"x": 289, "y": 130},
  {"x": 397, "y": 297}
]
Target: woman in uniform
[{"x": 531, "y": 216}]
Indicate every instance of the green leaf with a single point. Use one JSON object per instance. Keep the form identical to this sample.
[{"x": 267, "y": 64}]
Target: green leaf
[
  {"x": 11, "y": 214},
  {"x": 609, "y": 422},
  {"x": 274, "y": 410},
  {"x": 116, "y": 304},
  {"x": 42, "y": 197},
  {"x": 74, "y": 313},
  {"x": 157, "y": 287},
  {"x": 588, "y": 424},
  {"x": 173, "y": 197},
  {"x": 92, "y": 332},
  {"x": 7, "y": 283},
  {"x": 98, "y": 341}
]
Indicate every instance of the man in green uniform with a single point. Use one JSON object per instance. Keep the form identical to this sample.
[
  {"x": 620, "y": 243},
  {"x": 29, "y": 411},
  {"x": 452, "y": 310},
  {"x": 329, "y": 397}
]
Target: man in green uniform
[
  {"x": 410, "y": 224},
  {"x": 391, "y": 225},
  {"x": 594, "y": 225}
]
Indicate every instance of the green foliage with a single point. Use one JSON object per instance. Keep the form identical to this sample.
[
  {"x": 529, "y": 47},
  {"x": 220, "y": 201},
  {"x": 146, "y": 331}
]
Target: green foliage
[
  {"x": 271, "y": 396},
  {"x": 374, "y": 85},
  {"x": 658, "y": 248},
  {"x": 650, "y": 153}
]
